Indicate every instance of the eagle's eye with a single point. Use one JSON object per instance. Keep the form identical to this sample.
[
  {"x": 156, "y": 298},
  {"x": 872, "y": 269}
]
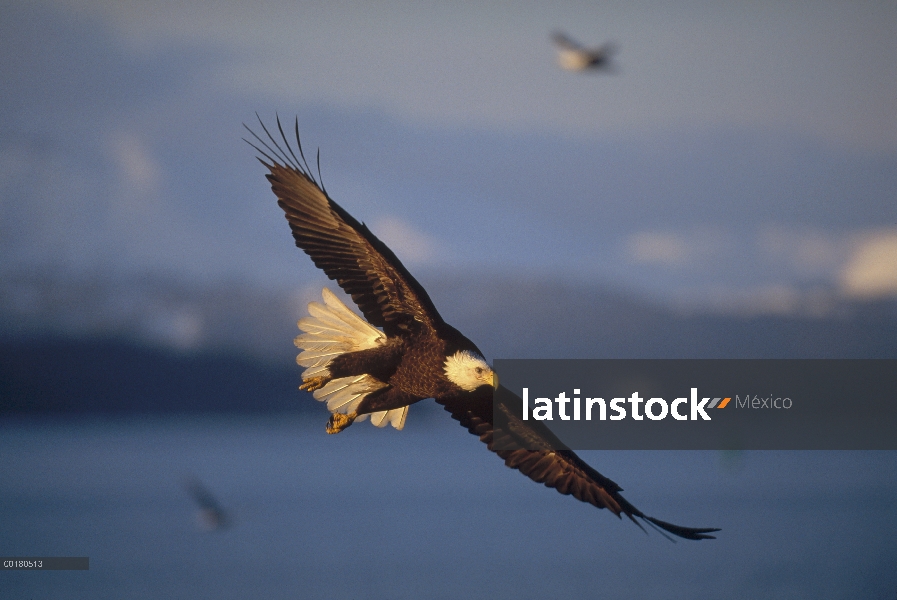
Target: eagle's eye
[{"x": 479, "y": 370}]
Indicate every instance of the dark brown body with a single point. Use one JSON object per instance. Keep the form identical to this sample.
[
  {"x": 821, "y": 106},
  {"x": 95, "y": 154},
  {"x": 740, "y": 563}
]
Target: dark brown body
[{"x": 412, "y": 364}]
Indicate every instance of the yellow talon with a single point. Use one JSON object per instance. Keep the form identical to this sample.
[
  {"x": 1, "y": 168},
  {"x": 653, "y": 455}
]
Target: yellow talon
[
  {"x": 313, "y": 383},
  {"x": 339, "y": 421}
]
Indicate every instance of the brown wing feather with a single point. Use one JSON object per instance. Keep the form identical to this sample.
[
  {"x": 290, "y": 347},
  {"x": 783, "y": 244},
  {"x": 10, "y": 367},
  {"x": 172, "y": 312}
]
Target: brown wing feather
[
  {"x": 346, "y": 250},
  {"x": 534, "y": 451}
]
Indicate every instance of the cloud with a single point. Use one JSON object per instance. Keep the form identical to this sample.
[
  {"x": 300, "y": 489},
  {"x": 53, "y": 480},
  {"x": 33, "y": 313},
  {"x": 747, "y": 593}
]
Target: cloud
[
  {"x": 871, "y": 271},
  {"x": 181, "y": 328},
  {"x": 805, "y": 253},
  {"x": 667, "y": 249},
  {"x": 698, "y": 247},
  {"x": 775, "y": 269},
  {"x": 410, "y": 245},
  {"x": 137, "y": 167},
  {"x": 772, "y": 299}
]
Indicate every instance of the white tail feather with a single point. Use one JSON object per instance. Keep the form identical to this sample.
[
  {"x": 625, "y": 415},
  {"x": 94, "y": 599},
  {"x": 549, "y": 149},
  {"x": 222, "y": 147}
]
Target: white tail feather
[
  {"x": 396, "y": 417},
  {"x": 345, "y": 394},
  {"x": 333, "y": 329}
]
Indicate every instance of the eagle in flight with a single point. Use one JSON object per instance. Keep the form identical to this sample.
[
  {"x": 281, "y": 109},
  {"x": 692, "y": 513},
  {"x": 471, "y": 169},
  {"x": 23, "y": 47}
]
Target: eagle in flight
[
  {"x": 402, "y": 351},
  {"x": 573, "y": 56}
]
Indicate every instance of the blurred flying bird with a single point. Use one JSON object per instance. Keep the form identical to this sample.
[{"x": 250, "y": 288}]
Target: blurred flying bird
[
  {"x": 360, "y": 370},
  {"x": 210, "y": 515},
  {"x": 573, "y": 56}
]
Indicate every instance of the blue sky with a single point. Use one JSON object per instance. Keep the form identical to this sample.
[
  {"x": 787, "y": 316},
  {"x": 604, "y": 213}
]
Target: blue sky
[{"x": 741, "y": 154}]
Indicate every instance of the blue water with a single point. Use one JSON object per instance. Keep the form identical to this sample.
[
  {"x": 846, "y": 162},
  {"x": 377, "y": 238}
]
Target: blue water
[{"x": 424, "y": 513}]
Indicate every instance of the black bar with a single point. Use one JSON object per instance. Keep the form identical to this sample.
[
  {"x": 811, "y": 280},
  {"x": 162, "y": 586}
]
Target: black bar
[
  {"x": 45, "y": 563},
  {"x": 698, "y": 404}
]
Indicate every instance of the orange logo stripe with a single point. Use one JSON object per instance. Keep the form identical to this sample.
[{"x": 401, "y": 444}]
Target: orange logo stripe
[{"x": 724, "y": 403}]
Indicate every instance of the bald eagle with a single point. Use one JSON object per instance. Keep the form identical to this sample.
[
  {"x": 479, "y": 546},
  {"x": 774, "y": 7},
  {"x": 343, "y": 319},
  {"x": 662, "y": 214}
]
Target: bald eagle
[
  {"x": 573, "y": 56},
  {"x": 404, "y": 351}
]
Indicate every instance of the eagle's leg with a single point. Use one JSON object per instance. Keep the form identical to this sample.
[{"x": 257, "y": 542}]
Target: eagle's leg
[
  {"x": 313, "y": 383},
  {"x": 339, "y": 421}
]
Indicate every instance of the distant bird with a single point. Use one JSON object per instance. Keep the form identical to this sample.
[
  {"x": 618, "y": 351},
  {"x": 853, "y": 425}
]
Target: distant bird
[
  {"x": 363, "y": 371},
  {"x": 210, "y": 515},
  {"x": 573, "y": 56}
]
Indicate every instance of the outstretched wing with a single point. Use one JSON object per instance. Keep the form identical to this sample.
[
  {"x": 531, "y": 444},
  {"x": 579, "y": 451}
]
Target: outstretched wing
[
  {"x": 532, "y": 449},
  {"x": 565, "y": 42},
  {"x": 346, "y": 250}
]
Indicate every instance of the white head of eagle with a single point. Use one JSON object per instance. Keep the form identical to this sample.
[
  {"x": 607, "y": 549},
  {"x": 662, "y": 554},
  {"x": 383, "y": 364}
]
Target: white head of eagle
[{"x": 468, "y": 371}]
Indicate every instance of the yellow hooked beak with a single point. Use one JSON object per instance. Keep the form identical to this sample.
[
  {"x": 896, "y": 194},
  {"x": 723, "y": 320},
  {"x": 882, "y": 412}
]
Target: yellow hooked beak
[{"x": 494, "y": 380}]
